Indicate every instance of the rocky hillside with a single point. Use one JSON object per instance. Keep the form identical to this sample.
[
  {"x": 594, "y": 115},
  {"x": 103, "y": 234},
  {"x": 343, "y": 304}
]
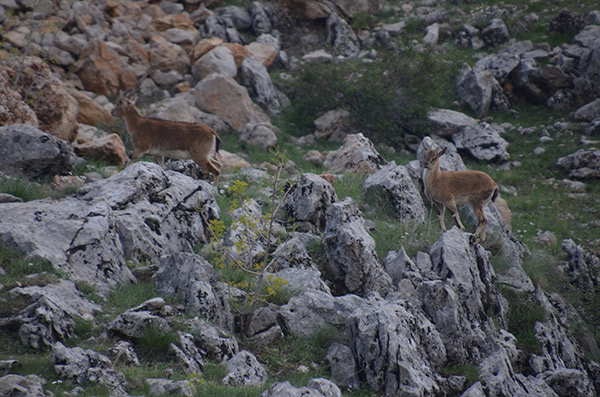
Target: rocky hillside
[{"x": 316, "y": 266}]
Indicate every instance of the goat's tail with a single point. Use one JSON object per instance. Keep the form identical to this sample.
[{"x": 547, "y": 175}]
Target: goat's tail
[
  {"x": 495, "y": 194},
  {"x": 217, "y": 144}
]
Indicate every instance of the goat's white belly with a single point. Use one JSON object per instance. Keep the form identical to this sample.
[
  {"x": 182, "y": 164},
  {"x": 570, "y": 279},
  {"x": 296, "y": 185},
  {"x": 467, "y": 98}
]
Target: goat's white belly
[{"x": 175, "y": 154}]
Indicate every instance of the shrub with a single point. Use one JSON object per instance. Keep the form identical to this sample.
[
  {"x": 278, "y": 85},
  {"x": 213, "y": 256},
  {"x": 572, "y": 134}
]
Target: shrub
[{"x": 386, "y": 99}]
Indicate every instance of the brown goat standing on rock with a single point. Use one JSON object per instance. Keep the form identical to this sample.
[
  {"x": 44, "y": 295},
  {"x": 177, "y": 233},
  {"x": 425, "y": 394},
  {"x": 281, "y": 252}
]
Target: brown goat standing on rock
[
  {"x": 448, "y": 189},
  {"x": 159, "y": 138}
]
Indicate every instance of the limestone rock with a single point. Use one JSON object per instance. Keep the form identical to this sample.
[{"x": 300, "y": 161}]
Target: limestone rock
[
  {"x": 27, "y": 151},
  {"x": 482, "y": 142},
  {"x": 584, "y": 163},
  {"x": 224, "y": 97},
  {"x": 308, "y": 201},
  {"x": 256, "y": 78},
  {"x": 189, "y": 277},
  {"x": 341, "y": 37},
  {"x": 45, "y": 94},
  {"x": 393, "y": 186},
  {"x": 357, "y": 154},
  {"x": 395, "y": 347},
  {"x": 244, "y": 370},
  {"x": 217, "y": 60},
  {"x": 17, "y": 385},
  {"x": 81, "y": 366},
  {"x": 446, "y": 122},
  {"x": 108, "y": 148},
  {"x": 90, "y": 112},
  {"x": 312, "y": 310},
  {"x": 333, "y": 125},
  {"x": 103, "y": 71},
  {"x": 352, "y": 263}
]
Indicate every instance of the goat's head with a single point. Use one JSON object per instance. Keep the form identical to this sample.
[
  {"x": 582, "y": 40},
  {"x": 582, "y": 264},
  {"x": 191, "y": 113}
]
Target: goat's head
[
  {"x": 432, "y": 156},
  {"x": 125, "y": 103}
]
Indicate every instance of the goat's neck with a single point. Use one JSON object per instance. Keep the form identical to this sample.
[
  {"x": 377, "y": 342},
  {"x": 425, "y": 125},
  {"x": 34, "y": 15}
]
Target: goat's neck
[
  {"x": 429, "y": 176},
  {"x": 132, "y": 119}
]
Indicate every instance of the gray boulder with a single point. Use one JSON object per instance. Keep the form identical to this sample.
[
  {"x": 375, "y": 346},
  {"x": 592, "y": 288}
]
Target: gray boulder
[
  {"x": 343, "y": 368},
  {"x": 589, "y": 111},
  {"x": 483, "y": 142},
  {"x": 495, "y": 33},
  {"x": 17, "y": 385},
  {"x": 191, "y": 278},
  {"x": 29, "y": 152},
  {"x": 82, "y": 366},
  {"x": 261, "y": 22},
  {"x": 217, "y": 60},
  {"x": 134, "y": 322},
  {"x": 312, "y": 310},
  {"x": 584, "y": 163},
  {"x": 307, "y": 202},
  {"x": 357, "y": 154},
  {"x": 256, "y": 79},
  {"x": 392, "y": 185},
  {"x": 317, "y": 387},
  {"x": 244, "y": 370},
  {"x": 215, "y": 342},
  {"x": 396, "y": 348},
  {"x": 446, "y": 122},
  {"x": 352, "y": 264},
  {"x": 341, "y": 37},
  {"x": 260, "y": 135},
  {"x": 480, "y": 91},
  {"x": 167, "y": 387},
  {"x": 464, "y": 266},
  {"x": 187, "y": 355}
]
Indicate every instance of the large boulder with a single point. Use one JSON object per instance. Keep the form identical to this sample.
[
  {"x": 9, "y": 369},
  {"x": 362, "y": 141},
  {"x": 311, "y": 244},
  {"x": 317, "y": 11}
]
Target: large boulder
[
  {"x": 261, "y": 135},
  {"x": 44, "y": 93},
  {"x": 166, "y": 56},
  {"x": 483, "y": 142},
  {"x": 396, "y": 348},
  {"x": 13, "y": 108},
  {"x": 103, "y": 71},
  {"x": 256, "y": 79},
  {"x": 17, "y": 385},
  {"x": 83, "y": 366},
  {"x": 192, "y": 279},
  {"x": 137, "y": 215},
  {"x": 480, "y": 91},
  {"x": 307, "y": 202},
  {"x": 224, "y": 97},
  {"x": 357, "y": 154},
  {"x": 29, "y": 152},
  {"x": 584, "y": 163},
  {"x": 217, "y": 60},
  {"x": 341, "y": 37},
  {"x": 91, "y": 143},
  {"x": 352, "y": 264},
  {"x": 312, "y": 311},
  {"x": 446, "y": 122},
  {"x": 391, "y": 185},
  {"x": 244, "y": 370}
]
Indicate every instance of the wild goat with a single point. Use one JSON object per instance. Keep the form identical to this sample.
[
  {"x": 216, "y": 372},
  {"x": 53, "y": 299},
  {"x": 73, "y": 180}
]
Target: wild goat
[
  {"x": 448, "y": 189},
  {"x": 159, "y": 138}
]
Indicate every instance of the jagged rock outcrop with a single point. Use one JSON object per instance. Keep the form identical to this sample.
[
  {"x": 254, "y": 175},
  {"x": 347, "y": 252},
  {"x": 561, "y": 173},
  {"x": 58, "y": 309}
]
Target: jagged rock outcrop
[
  {"x": 584, "y": 163},
  {"x": 244, "y": 370},
  {"x": 139, "y": 215},
  {"x": 392, "y": 186},
  {"x": 191, "y": 278},
  {"x": 17, "y": 385},
  {"x": 357, "y": 154},
  {"x": 352, "y": 264},
  {"x": 307, "y": 202},
  {"x": 81, "y": 366},
  {"x": 29, "y": 152}
]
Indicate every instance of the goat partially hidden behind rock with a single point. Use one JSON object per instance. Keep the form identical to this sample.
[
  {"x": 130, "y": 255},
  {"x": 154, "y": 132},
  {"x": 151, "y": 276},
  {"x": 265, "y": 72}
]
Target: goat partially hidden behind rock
[
  {"x": 159, "y": 138},
  {"x": 446, "y": 189}
]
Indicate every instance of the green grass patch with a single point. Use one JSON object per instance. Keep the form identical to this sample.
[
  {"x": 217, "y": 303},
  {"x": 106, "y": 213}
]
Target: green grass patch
[
  {"x": 153, "y": 344},
  {"x": 26, "y": 190},
  {"x": 469, "y": 371},
  {"x": 125, "y": 296},
  {"x": 524, "y": 312}
]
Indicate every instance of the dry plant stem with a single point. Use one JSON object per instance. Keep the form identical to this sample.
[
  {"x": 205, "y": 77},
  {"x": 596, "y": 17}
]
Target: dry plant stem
[
  {"x": 222, "y": 247},
  {"x": 261, "y": 278}
]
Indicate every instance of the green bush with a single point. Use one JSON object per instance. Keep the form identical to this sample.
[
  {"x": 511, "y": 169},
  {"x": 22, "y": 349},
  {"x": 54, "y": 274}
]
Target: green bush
[{"x": 386, "y": 98}]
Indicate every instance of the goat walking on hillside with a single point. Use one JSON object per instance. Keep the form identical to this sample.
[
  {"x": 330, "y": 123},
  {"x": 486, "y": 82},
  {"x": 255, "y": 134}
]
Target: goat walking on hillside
[
  {"x": 159, "y": 138},
  {"x": 446, "y": 189}
]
